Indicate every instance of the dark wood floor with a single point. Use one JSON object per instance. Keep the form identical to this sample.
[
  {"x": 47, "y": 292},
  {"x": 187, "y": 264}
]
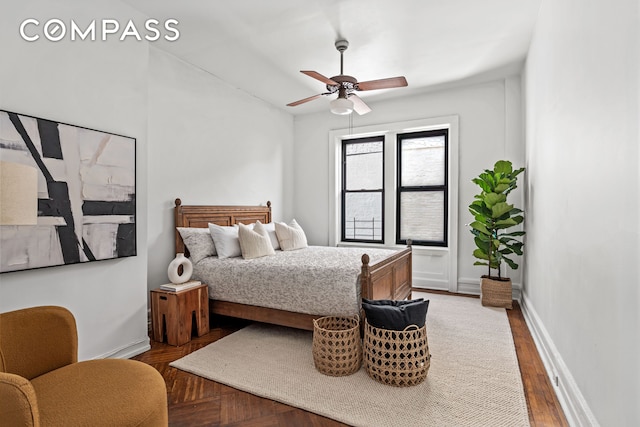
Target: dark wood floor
[{"x": 195, "y": 401}]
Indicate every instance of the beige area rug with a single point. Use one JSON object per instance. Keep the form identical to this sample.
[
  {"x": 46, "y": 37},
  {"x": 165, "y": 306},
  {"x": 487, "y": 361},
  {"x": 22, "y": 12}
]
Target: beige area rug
[{"x": 474, "y": 379}]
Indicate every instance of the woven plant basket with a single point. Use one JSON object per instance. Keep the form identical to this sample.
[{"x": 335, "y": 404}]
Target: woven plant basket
[
  {"x": 337, "y": 347},
  {"x": 397, "y": 358},
  {"x": 495, "y": 293}
]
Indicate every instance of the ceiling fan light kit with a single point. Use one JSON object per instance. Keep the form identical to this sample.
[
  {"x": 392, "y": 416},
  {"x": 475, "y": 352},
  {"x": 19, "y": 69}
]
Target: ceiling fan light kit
[
  {"x": 346, "y": 86},
  {"x": 341, "y": 106}
]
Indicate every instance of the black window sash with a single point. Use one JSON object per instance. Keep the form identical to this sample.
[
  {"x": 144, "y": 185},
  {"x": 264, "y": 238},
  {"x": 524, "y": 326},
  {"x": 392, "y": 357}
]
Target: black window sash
[
  {"x": 344, "y": 192},
  {"x": 427, "y": 188}
]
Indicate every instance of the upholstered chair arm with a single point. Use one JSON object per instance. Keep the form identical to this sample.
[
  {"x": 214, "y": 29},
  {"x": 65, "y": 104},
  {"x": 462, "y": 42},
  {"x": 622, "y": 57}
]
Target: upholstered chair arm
[
  {"x": 18, "y": 405},
  {"x": 37, "y": 340}
]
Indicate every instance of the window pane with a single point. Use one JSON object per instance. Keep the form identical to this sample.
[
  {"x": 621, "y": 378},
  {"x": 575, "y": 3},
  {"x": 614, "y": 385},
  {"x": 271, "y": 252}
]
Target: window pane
[
  {"x": 422, "y": 214},
  {"x": 363, "y": 216},
  {"x": 423, "y": 161},
  {"x": 364, "y": 166}
]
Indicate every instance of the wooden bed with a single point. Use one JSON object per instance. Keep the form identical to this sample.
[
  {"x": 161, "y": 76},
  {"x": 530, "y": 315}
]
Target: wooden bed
[{"x": 387, "y": 279}]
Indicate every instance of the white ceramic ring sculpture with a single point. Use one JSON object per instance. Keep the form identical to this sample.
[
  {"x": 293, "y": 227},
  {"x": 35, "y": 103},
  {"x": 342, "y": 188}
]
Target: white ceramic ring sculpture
[{"x": 187, "y": 269}]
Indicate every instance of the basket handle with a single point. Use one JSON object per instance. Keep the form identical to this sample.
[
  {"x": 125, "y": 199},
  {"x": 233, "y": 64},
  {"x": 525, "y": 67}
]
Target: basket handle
[
  {"x": 355, "y": 316},
  {"x": 410, "y": 328}
]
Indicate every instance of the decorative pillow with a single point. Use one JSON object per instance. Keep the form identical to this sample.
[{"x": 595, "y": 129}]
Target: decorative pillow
[
  {"x": 290, "y": 236},
  {"x": 226, "y": 240},
  {"x": 198, "y": 241},
  {"x": 271, "y": 229},
  {"x": 395, "y": 315},
  {"x": 254, "y": 243}
]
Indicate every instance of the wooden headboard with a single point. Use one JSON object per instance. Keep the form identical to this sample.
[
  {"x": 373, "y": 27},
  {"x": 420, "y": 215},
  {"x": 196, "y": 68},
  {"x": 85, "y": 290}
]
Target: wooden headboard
[{"x": 201, "y": 216}]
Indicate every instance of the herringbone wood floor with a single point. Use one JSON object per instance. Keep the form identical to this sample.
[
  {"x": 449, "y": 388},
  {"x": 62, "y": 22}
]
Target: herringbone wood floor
[{"x": 195, "y": 401}]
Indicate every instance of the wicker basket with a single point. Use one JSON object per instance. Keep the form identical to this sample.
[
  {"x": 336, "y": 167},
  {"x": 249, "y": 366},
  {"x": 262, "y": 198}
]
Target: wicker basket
[
  {"x": 495, "y": 293},
  {"x": 337, "y": 347},
  {"x": 397, "y": 358}
]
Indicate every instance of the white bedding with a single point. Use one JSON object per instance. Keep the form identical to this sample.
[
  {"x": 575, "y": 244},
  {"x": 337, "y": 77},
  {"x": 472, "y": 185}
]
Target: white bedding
[{"x": 316, "y": 280}]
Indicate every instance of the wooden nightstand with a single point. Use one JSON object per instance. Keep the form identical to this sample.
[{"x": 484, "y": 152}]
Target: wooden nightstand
[{"x": 173, "y": 313}]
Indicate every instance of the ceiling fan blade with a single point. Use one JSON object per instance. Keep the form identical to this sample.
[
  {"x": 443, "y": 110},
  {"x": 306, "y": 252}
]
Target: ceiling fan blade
[
  {"x": 383, "y": 83},
  {"x": 358, "y": 104},
  {"x": 320, "y": 77},
  {"x": 302, "y": 101}
]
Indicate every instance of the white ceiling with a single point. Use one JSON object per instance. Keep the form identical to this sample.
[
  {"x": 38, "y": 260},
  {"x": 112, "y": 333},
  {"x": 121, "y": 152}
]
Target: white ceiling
[{"x": 260, "y": 46}]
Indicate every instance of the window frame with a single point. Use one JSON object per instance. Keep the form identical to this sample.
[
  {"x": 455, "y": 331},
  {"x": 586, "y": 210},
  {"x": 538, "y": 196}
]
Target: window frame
[
  {"x": 344, "y": 190},
  {"x": 389, "y": 130},
  {"x": 444, "y": 188}
]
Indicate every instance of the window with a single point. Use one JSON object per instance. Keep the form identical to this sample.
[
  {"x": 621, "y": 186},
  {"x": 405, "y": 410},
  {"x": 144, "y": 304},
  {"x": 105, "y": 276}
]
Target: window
[
  {"x": 404, "y": 174},
  {"x": 422, "y": 188},
  {"x": 363, "y": 190}
]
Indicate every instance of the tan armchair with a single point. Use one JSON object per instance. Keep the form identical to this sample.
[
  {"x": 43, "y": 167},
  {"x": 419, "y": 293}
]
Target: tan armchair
[{"x": 43, "y": 384}]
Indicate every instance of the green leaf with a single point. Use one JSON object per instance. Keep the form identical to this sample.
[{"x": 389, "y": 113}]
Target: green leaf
[
  {"x": 500, "y": 209},
  {"x": 480, "y": 254},
  {"x": 505, "y": 223},
  {"x": 482, "y": 237},
  {"x": 478, "y": 207},
  {"x": 501, "y": 188},
  {"x": 516, "y": 247},
  {"x": 514, "y": 233},
  {"x": 481, "y": 218},
  {"x": 517, "y": 172},
  {"x": 512, "y": 264},
  {"x": 480, "y": 263},
  {"x": 477, "y": 225},
  {"x": 518, "y": 219},
  {"x": 503, "y": 166},
  {"x": 491, "y": 199},
  {"x": 482, "y": 245},
  {"x": 485, "y": 186},
  {"x": 507, "y": 240}
]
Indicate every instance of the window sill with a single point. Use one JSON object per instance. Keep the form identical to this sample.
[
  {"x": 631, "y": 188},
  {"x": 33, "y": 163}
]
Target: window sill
[{"x": 436, "y": 250}]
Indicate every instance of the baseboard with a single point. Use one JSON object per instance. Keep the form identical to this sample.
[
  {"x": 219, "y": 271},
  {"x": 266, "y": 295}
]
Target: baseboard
[
  {"x": 430, "y": 283},
  {"x": 128, "y": 351},
  {"x": 472, "y": 286},
  {"x": 573, "y": 403}
]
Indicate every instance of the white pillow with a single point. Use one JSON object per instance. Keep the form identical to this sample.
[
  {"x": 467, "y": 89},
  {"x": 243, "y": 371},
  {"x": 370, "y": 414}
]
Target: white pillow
[
  {"x": 226, "y": 240},
  {"x": 198, "y": 241},
  {"x": 271, "y": 229},
  {"x": 290, "y": 236},
  {"x": 254, "y": 243}
]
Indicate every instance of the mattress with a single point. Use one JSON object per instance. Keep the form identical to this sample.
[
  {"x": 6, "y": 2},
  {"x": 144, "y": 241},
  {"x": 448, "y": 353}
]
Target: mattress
[{"x": 316, "y": 280}]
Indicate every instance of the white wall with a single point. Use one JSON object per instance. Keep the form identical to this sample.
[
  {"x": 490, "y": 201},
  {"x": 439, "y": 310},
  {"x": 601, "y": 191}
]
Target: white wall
[
  {"x": 582, "y": 196},
  {"x": 489, "y": 130},
  {"x": 209, "y": 143},
  {"x": 99, "y": 85},
  {"x": 197, "y": 138}
]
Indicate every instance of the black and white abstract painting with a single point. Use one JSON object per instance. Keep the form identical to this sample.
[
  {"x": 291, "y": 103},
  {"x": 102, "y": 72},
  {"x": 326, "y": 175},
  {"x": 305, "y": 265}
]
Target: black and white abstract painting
[{"x": 86, "y": 194}]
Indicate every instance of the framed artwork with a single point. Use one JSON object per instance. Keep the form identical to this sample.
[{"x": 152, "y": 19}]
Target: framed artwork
[{"x": 67, "y": 194}]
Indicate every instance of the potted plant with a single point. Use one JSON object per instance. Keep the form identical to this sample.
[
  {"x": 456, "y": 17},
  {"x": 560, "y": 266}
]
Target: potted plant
[{"x": 493, "y": 217}]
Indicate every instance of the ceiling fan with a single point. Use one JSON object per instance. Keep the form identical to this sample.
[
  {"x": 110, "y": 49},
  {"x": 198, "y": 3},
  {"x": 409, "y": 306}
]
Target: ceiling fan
[{"x": 346, "y": 86}]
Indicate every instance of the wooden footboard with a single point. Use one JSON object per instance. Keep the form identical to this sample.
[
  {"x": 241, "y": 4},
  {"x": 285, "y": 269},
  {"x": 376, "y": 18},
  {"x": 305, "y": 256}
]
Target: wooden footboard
[{"x": 389, "y": 278}]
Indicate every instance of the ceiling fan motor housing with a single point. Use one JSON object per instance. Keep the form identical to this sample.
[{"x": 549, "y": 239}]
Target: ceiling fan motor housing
[{"x": 346, "y": 83}]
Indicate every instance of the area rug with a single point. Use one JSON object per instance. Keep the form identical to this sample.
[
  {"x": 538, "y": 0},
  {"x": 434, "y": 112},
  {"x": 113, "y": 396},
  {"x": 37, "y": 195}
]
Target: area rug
[{"x": 474, "y": 379}]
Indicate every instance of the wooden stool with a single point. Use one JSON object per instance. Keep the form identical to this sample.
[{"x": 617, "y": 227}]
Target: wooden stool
[{"x": 172, "y": 313}]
